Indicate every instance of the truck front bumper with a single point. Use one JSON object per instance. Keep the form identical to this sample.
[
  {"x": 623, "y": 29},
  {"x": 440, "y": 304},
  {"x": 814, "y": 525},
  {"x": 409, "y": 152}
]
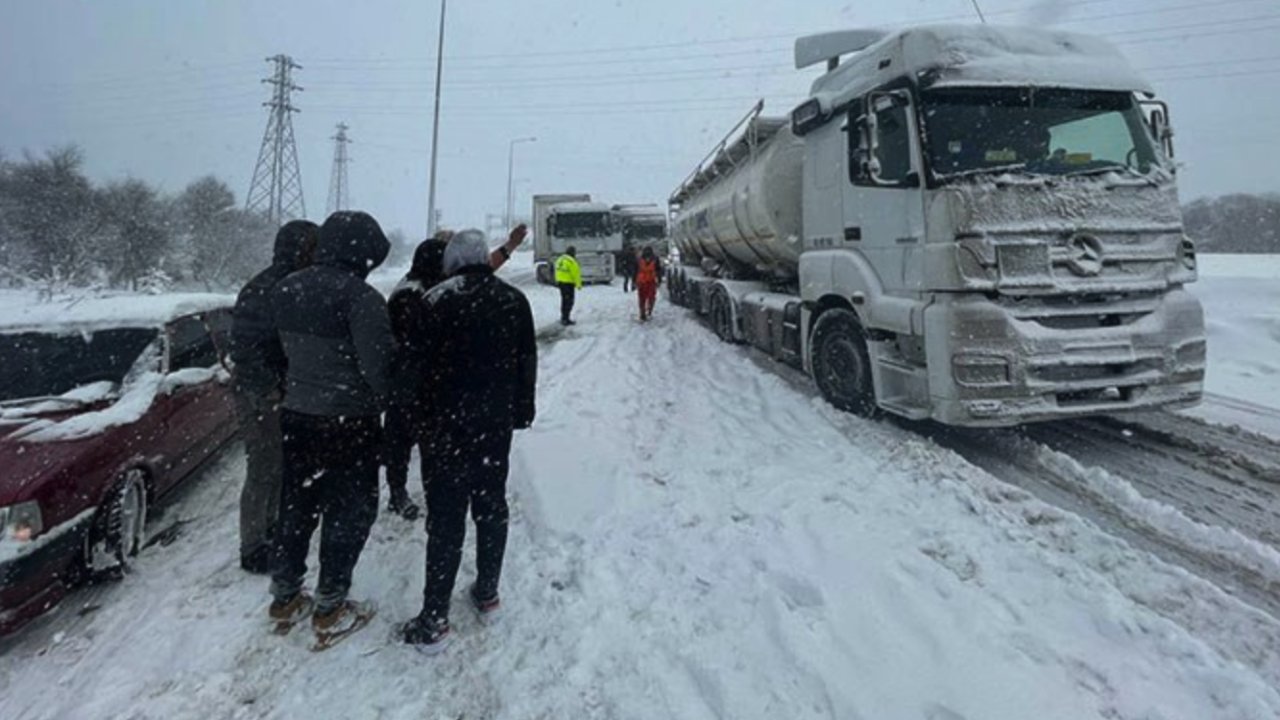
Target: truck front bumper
[{"x": 996, "y": 364}]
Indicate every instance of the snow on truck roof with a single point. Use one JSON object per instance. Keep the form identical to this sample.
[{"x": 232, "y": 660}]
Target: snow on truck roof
[
  {"x": 990, "y": 55},
  {"x": 580, "y": 207},
  {"x": 24, "y": 313}
]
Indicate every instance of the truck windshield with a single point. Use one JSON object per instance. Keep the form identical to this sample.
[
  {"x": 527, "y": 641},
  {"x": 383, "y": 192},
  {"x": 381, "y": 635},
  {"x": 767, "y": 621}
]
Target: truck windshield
[
  {"x": 646, "y": 231},
  {"x": 38, "y": 364},
  {"x": 577, "y": 225},
  {"x": 1035, "y": 131}
]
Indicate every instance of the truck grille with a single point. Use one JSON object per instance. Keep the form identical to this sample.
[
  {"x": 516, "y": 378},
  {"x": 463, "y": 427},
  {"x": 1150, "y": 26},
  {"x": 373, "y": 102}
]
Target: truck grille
[{"x": 1085, "y": 312}]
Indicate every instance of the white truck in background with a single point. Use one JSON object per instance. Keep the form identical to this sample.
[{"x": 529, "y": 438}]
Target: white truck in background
[
  {"x": 642, "y": 226},
  {"x": 565, "y": 220},
  {"x": 971, "y": 224}
]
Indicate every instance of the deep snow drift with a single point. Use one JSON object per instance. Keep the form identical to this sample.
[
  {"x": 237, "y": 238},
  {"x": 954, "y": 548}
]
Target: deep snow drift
[{"x": 692, "y": 537}]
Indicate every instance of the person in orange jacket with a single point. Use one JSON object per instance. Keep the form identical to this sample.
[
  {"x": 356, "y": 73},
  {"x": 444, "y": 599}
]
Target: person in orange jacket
[{"x": 648, "y": 278}]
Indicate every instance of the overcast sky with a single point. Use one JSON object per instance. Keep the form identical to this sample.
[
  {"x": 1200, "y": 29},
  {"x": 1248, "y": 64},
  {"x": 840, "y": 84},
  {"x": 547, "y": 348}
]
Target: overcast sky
[{"x": 624, "y": 96}]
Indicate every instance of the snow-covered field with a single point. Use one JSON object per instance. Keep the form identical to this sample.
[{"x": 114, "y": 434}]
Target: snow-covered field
[
  {"x": 1241, "y": 296},
  {"x": 695, "y": 537}
]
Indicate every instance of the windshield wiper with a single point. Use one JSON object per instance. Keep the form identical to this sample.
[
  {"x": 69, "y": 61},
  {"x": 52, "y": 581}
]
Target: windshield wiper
[
  {"x": 1015, "y": 167},
  {"x": 1114, "y": 168},
  {"x": 19, "y": 402}
]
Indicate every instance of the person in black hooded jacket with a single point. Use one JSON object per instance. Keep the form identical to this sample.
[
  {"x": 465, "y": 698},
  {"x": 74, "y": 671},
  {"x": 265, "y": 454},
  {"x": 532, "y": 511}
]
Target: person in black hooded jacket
[
  {"x": 480, "y": 358},
  {"x": 337, "y": 338},
  {"x": 404, "y": 307},
  {"x": 259, "y": 376}
]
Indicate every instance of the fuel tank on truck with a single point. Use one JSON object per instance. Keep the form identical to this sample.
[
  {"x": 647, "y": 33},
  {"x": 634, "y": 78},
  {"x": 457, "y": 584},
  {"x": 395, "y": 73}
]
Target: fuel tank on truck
[{"x": 741, "y": 208}]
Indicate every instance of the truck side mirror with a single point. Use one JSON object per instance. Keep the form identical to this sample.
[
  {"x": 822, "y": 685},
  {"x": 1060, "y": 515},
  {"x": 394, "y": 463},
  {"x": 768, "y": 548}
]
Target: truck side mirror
[
  {"x": 878, "y": 102},
  {"x": 1158, "y": 122}
]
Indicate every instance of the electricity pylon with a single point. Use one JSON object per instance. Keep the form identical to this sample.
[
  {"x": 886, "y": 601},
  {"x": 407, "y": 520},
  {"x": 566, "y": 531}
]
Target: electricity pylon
[
  {"x": 276, "y": 189},
  {"x": 339, "y": 194}
]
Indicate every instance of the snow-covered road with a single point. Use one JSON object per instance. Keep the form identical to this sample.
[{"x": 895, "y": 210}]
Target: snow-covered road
[{"x": 693, "y": 536}]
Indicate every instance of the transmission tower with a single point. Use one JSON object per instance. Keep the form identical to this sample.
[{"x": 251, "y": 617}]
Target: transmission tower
[
  {"x": 276, "y": 190},
  {"x": 339, "y": 195}
]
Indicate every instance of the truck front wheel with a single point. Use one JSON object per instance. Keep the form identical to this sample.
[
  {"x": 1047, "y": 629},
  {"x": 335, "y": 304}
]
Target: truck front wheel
[{"x": 841, "y": 364}]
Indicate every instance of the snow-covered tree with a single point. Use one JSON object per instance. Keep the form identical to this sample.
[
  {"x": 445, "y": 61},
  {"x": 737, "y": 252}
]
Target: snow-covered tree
[
  {"x": 136, "y": 232},
  {"x": 50, "y": 218}
]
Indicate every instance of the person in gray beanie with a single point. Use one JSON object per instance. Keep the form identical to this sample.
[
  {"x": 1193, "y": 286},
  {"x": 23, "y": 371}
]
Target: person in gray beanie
[{"x": 478, "y": 387}]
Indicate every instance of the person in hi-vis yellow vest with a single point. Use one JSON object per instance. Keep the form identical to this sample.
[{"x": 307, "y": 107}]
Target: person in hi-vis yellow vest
[{"x": 569, "y": 279}]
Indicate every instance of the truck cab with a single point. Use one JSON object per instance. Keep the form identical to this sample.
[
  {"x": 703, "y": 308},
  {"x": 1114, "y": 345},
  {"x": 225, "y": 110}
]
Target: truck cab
[
  {"x": 590, "y": 228},
  {"x": 987, "y": 230}
]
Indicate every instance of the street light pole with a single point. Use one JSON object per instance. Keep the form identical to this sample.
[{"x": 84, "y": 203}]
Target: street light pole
[
  {"x": 435, "y": 128},
  {"x": 511, "y": 162}
]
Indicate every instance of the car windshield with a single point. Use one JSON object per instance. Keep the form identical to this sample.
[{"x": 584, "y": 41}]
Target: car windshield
[
  {"x": 576, "y": 225},
  {"x": 40, "y": 364},
  {"x": 1035, "y": 131}
]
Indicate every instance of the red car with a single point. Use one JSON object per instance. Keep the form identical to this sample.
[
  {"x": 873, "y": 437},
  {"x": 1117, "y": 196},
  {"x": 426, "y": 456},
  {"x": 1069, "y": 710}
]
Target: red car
[{"x": 104, "y": 408}]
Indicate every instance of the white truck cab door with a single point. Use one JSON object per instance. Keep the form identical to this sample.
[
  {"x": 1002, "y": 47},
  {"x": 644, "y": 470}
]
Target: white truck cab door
[{"x": 883, "y": 205}]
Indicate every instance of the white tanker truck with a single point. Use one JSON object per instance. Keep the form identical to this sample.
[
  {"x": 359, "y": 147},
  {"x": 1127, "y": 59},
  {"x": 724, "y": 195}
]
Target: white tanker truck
[{"x": 977, "y": 225}]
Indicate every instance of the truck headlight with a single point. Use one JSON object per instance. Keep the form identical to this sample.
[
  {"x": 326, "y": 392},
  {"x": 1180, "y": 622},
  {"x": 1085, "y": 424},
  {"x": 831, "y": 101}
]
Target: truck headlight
[
  {"x": 1187, "y": 253},
  {"x": 980, "y": 370},
  {"x": 1191, "y": 355},
  {"x": 20, "y": 523}
]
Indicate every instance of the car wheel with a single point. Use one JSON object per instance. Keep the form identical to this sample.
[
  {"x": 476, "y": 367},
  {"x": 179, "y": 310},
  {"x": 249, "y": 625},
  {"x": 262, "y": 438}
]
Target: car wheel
[
  {"x": 119, "y": 530},
  {"x": 841, "y": 364}
]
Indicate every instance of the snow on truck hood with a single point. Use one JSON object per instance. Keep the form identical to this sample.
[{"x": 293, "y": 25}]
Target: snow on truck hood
[{"x": 983, "y": 55}]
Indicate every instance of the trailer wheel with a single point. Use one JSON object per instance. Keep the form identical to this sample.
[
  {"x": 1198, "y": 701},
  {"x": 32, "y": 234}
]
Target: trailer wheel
[
  {"x": 841, "y": 364},
  {"x": 722, "y": 316}
]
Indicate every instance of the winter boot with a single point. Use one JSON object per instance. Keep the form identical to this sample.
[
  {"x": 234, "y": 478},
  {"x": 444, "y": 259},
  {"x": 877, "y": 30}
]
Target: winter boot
[
  {"x": 402, "y": 505},
  {"x": 486, "y": 607},
  {"x": 286, "y": 615},
  {"x": 427, "y": 633},
  {"x": 335, "y": 626}
]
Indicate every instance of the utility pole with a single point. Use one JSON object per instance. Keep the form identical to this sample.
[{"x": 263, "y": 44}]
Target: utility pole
[
  {"x": 978, "y": 7},
  {"x": 339, "y": 194},
  {"x": 511, "y": 162},
  {"x": 435, "y": 128},
  {"x": 276, "y": 189}
]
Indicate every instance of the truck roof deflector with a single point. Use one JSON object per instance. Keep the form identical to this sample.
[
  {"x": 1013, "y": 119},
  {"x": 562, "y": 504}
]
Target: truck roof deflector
[{"x": 813, "y": 49}]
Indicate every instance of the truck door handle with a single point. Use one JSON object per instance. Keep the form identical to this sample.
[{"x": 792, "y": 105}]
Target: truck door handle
[{"x": 852, "y": 233}]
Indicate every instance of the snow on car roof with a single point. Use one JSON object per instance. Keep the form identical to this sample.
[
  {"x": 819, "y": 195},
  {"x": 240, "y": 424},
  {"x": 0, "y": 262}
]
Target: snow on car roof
[
  {"x": 24, "y": 312},
  {"x": 982, "y": 55}
]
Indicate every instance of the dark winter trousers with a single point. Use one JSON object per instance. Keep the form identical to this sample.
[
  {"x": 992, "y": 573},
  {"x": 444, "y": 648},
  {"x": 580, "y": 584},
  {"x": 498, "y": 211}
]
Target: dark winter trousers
[
  {"x": 626, "y": 281},
  {"x": 398, "y": 448},
  {"x": 330, "y": 476},
  {"x": 648, "y": 293},
  {"x": 566, "y": 301},
  {"x": 462, "y": 468},
  {"x": 260, "y": 495}
]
